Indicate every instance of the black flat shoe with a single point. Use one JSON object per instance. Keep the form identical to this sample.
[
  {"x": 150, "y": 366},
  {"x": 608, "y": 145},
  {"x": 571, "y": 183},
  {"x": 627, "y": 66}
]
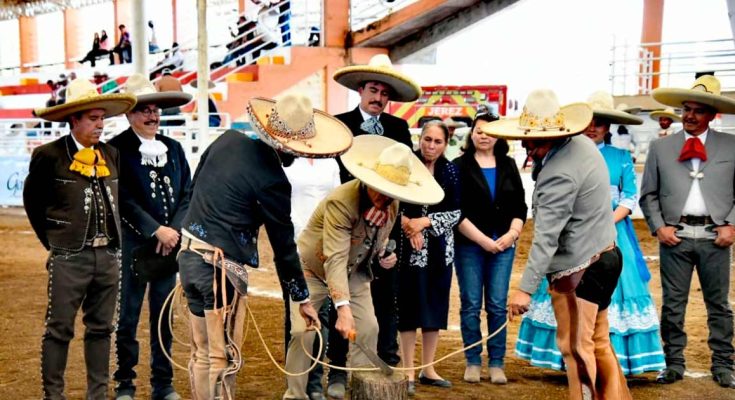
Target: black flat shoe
[
  {"x": 668, "y": 376},
  {"x": 724, "y": 379},
  {"x": 442, "y": 383}
]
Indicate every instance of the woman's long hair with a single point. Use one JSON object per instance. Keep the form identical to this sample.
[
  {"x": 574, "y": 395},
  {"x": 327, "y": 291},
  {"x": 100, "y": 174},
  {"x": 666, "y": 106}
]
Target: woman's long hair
[{"x": 501, "y": 146}]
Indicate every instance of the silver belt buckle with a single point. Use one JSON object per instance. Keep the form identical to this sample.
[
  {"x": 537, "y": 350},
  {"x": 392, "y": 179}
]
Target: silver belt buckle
[{"x": 100, "y": 241}]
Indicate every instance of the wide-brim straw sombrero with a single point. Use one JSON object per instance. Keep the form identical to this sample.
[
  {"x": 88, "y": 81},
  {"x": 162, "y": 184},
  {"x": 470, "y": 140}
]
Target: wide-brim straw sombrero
[
  {"x": 392, "y": 169},
  {"x": 82, "y": 95},
  {"x": 379, "y": 69},
  {"x": 602, "y": 107},
  {"x": 668, "y": 112},
  {"x": 143, "y": 89},
  {"x": 317, "y": 134},
  {"x": 705, "y": 90},
  {"x": 542, "y": 118},
  {"x": 635, "y": 110}
]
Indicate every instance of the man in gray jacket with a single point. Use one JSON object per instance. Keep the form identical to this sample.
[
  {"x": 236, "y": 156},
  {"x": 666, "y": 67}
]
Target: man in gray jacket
[
  {"x": 574, "y": 240},
  {"x": 687, "y": 198}
]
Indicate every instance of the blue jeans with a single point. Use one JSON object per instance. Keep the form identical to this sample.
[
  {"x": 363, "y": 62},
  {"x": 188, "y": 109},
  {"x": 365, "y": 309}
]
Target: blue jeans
[
  {"x": 481, "y": 273},
  {"x": 132, "y": 292}
]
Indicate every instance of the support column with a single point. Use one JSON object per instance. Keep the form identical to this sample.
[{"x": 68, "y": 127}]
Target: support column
[
  {"x": 175, "y": 20},
  {"x": 202, "y": 79},
  {"x": 139, "y": 39},
  {"x": 73, "y": 41},
  {"x": 241, "y": 6},
  {"x": 28, "y": 42},
  {"x": 336, "y": 22},
  {"x": 653, "y": 20}
]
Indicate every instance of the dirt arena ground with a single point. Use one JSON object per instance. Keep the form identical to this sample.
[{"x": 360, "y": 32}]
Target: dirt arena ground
[{"x": 23, "y": 302}]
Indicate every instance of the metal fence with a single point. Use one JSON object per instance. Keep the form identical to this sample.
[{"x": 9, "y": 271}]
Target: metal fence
[{"x": 632, "y": 65}]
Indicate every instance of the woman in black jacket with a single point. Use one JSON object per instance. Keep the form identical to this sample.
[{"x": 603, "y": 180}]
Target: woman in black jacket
[{"x": 492, "y": 202}]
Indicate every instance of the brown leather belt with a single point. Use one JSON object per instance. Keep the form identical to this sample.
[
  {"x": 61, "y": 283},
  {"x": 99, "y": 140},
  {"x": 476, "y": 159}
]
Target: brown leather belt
[
  {"x": 99, "y": 241},
  {"x": 188, "y": 243},
  {"x": 696, "y": 220}
]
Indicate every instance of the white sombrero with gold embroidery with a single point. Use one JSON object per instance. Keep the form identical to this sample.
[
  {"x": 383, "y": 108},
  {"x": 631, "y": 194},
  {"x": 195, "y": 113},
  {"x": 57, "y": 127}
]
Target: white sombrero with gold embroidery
[
  {"x": 392, "y": 169},
  {"x": 82, "y": 95},
  {"x": 705, "y": 90},
  {"x": 602, "y": 107},
  {"x": 379, "y": 69},
  {"x": 542, "y": 118},
  {"x": 293, "y": 126},
  {"x": 668, "y": 112}
]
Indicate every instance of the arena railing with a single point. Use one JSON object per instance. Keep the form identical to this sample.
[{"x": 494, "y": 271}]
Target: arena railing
[
  {"x": 365, "y": 12},
  {"x": 632, "y": 65}
]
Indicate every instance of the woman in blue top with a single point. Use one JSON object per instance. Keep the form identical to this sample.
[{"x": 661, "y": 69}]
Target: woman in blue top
[
  {"x": 493, "y": 207},
  {"x": 634, "y": 324}
]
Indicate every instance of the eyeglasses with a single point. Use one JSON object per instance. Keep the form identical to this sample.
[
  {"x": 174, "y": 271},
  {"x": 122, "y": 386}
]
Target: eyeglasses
[{"x": 148, "y": 112}]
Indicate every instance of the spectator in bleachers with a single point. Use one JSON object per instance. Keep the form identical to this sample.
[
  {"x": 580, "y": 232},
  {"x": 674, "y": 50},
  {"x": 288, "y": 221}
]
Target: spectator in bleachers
[
  {"x": 123, "y": 48},
  {"x": 152, "y": 40},
  {"x": 314, "y": 37},
  {"x": 61, "y": 89},
  {"x": 104, "y": 44},
  {"x": 174, "y": 60},
  {"x": 96, "y": 51},
  {"x": 215, "y": 120},
  {"x": 243, "y": 42}
]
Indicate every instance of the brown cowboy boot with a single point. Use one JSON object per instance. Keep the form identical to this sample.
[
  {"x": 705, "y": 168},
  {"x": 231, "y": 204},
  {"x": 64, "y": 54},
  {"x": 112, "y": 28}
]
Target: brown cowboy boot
[
  {"x": 611, "y": 383},
  {"x": 217, "y": 354},
  {"x": 567, "y": 333},
  {"x": 199, "y": 361},
  {"x": 585, "y": 346},
  {"x": 233, "y": 346}
]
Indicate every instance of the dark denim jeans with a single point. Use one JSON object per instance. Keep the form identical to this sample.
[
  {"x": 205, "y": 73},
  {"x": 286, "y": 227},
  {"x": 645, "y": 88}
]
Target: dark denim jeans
[
  {"x": 479, "y": 274},
  {"x": 132, "y": 292}
]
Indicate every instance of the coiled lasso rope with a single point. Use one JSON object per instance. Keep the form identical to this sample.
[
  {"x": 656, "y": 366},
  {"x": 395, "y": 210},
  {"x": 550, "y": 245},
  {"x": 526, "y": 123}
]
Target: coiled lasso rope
[{"x": 314, "y": 360}]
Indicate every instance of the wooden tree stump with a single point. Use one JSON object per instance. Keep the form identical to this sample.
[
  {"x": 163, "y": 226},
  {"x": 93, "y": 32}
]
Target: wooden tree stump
[{"x": 374, "y": 385}]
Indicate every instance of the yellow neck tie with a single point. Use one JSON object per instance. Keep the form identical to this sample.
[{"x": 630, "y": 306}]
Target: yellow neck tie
[{"x": 89, "y": 162}]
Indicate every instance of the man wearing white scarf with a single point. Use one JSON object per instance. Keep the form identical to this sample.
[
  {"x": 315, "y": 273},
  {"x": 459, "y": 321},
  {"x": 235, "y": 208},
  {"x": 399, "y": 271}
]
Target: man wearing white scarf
[{"x": 154, "y": 197}]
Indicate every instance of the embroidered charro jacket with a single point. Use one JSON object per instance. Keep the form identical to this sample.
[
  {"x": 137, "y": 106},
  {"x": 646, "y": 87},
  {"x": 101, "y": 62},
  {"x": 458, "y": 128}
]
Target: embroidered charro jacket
[
  {"x": 60, "y": 203},
  {"x": 337, "y": 241},
  {"x": 151, "y": 196}
]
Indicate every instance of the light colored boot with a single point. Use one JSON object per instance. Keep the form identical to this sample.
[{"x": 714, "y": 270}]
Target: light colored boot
[
  {"x": 217, "y": 355},
  {"x": 199, "y": 360},
  {"x": 472, "y": 374},
  {"x": 497, "y": 376}
]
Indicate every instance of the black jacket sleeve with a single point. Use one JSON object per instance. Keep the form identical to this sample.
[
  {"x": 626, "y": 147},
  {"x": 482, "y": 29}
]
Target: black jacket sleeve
[{"x": 37, "y": 192}]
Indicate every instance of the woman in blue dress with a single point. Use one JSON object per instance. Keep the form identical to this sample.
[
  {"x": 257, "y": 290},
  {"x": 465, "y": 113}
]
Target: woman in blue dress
[{"x": 634, "y": 323}]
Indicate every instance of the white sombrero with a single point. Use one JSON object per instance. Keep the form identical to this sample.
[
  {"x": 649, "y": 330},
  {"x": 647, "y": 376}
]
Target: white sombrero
[
  {"x": 602, "y": 107},
  {"x": 379, "y": 69},
  {"x": 82, "y": 95},
  {"x": 542, "y": 118},
  {"x": 293, "y": 126},
  {"x": 668, "y": 112},
  {"x": 705, "y": 90},
  {"x": 138, "y": 85},
  {"x": 392, "y": 169}
]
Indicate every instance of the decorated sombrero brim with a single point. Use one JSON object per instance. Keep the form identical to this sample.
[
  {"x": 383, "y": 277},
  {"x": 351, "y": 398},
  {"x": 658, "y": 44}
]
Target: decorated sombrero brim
[
  {"x": 146, "y": 93},
  {"x": 705, "y": 90},
  {"x": 82, "y": 95},
  {"x": 381, "y": 70},
  {"x": 362, "y": 158},
  {"x": 668, "y": 113},
  {"x": 331, "y": 138},
  {"x": 575, "y": 118}
]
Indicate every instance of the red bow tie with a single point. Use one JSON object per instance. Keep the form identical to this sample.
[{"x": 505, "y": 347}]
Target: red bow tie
[
  {"x": 693, "y": 148},
  {"x": 375, "y": 217}
]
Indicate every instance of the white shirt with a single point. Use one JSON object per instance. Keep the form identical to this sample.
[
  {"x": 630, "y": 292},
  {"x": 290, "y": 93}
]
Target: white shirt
[
  {"x": 695, "y": 206},
  {"x": 366, "y": 116},
  {"x": 310, "y": 184}
]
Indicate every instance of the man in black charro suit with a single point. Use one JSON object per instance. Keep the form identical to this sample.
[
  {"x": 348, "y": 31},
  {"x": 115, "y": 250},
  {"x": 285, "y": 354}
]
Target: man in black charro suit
[{"x": 70, "y": 196}]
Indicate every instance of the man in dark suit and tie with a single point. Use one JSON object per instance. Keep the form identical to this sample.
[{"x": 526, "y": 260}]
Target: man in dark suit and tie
[
  {"x": 376, "y": 83},
  {"x": 688, "y": 197},
  {"x": 70, "y": 196},
  {"x": 154, "y": 197}
]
